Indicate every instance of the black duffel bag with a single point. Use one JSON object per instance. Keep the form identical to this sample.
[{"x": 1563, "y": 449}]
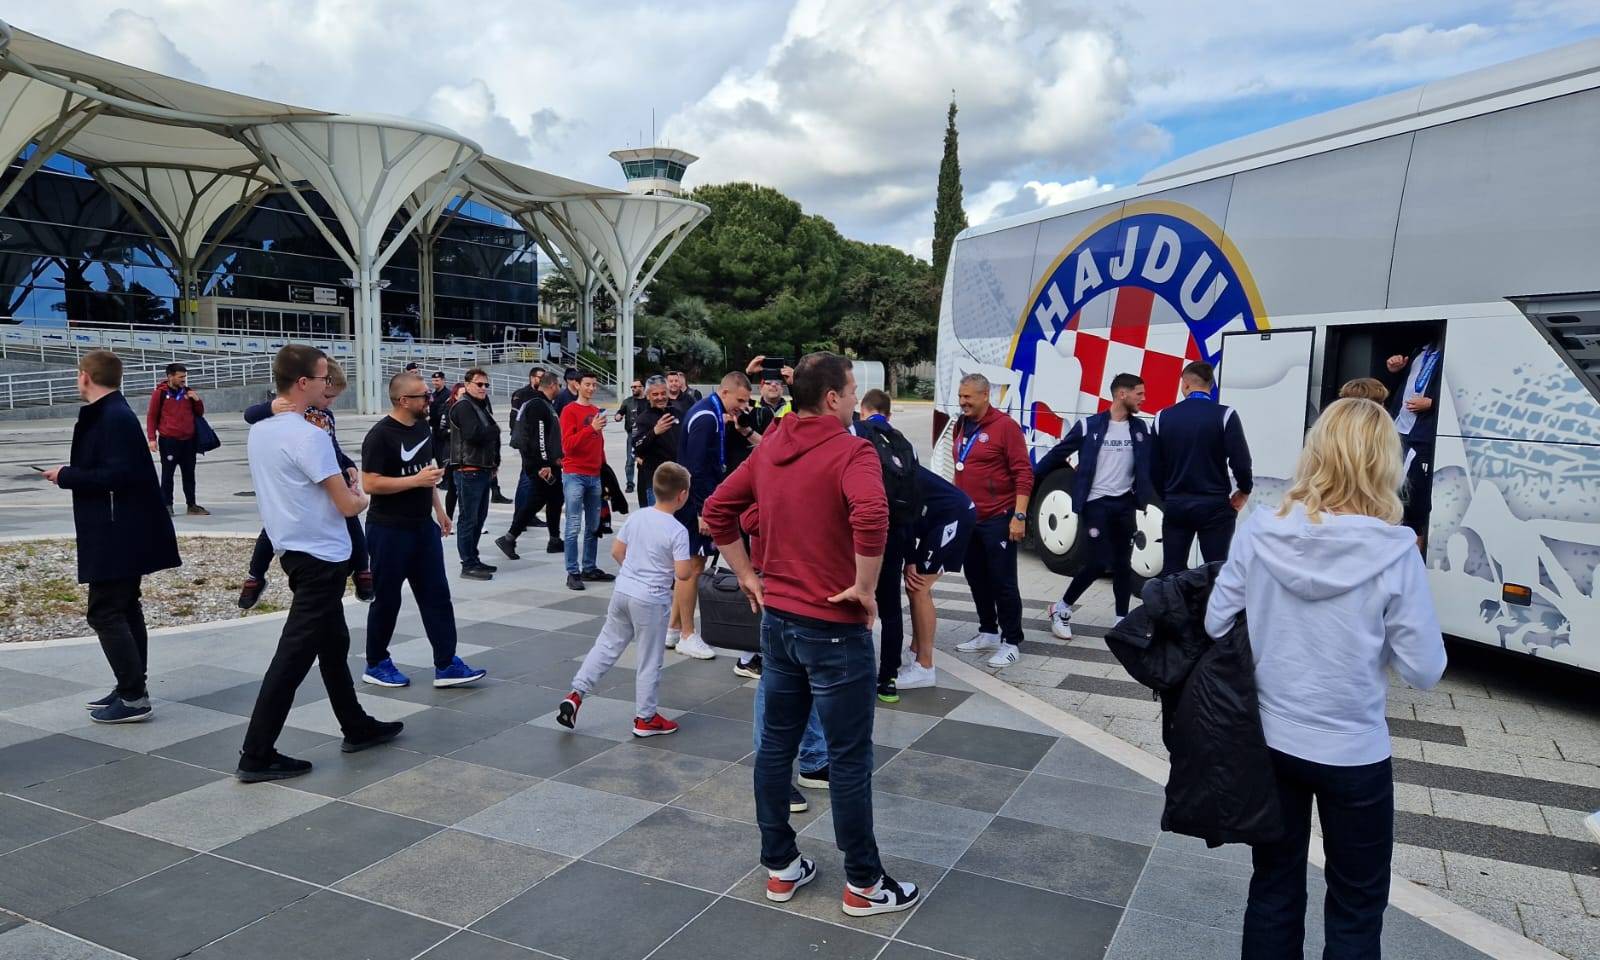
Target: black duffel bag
[{"x": 726, "y": 619}]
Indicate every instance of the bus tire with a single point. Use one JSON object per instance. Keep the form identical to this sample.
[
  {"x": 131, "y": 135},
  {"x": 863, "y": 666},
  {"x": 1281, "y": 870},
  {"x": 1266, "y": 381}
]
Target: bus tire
[{"x": 1054, "y": 524}]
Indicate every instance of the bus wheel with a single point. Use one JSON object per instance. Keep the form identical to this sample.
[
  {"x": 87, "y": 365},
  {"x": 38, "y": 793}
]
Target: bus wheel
[{"x": 1054, "y": 524}]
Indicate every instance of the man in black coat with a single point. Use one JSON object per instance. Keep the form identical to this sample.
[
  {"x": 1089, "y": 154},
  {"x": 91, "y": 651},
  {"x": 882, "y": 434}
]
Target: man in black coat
[
  {"x": 537, "y": 437},
  {"x": 438, "y": 407},
  {"x": 123, "y": 532},
  {"x": 655, "y": 440}
]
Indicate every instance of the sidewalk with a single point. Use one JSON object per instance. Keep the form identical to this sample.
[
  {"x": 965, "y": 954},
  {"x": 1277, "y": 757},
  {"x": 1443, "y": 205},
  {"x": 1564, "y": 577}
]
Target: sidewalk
[{"x": 486, "y": 832}]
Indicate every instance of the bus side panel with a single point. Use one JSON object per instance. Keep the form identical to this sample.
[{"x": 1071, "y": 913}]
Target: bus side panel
[{"x": 989, "y": 279}]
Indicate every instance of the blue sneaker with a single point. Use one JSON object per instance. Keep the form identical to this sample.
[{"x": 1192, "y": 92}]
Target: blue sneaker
[
  {"x": 123, "y": 711},
  {"x": 385, "y": 674},
  {"x": 457, "y": 674}
]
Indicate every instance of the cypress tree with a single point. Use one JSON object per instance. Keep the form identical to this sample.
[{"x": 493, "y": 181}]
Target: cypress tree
[{"x": 949, "y": 218}]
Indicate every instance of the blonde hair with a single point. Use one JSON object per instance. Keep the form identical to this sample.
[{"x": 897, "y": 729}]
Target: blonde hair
[
  {"x": 1365, "y": 388},
  {"x": 1351, "y": 464},
  {"x": 336, "y": 378}
]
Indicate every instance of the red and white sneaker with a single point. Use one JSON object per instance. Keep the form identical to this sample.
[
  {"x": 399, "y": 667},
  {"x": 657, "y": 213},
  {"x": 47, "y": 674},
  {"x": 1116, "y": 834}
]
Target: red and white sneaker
[
  {"x": 567, "y": 713},
  {"x": 654, "y": 727},
  {"x": 781, "y": 884},
  {"x": 886, "y": 896}
]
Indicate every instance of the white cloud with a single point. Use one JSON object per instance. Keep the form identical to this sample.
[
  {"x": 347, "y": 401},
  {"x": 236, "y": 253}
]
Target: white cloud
[
  {"x": 1424, "y": 40},
  {"x": 469, "y": 108},
  {"x": 1005, "y": 198},
  {"x": 135, "y": 38}
]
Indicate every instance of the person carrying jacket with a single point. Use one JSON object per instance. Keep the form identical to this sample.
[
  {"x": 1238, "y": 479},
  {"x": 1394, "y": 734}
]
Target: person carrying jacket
[
  {"x": 475, "y": 452},
  {"x": 1196, "y": 442},
  {"x": 1335, "y": 593},
  {"x": 1111, "y": 484},
  {"x": 655, "y": 439},
  {"x": 537, "y": 437},
  {"x": 170, "y": 430},
  {"x": 122, "y": 532}
]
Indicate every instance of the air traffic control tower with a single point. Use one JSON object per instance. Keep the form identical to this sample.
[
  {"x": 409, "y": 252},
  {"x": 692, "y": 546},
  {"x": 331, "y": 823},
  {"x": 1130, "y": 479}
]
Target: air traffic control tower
[{"x": 654, "y": 171}]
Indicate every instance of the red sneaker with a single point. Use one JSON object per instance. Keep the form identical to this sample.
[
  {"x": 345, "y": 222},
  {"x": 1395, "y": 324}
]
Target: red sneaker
[
  {"x": 654, "y": 727},
  {"x": 567, "y": 713}
]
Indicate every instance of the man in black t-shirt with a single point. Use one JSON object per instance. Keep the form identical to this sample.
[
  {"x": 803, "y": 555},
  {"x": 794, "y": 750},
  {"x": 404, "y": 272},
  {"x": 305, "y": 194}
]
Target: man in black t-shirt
[{"x": 404, "y": 526}]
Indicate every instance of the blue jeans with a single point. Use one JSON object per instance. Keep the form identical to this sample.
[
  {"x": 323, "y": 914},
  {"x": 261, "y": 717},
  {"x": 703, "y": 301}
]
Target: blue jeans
[
  {"x": 1356, "y": 805},
  {"x": 627, "y": 470},
  {"x": 411, "y": 554},
  {"x": 524, "y": 488},
  {"x": 583, "y": 519},
  {"x": 472, "y": 495},
  {"x": 813, "y": 748},
  {"x": 832, "y": 669}
]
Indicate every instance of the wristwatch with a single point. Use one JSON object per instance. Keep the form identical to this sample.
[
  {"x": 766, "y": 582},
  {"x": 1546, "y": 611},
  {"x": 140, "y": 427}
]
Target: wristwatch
[{"x": 1020, "y": 515}]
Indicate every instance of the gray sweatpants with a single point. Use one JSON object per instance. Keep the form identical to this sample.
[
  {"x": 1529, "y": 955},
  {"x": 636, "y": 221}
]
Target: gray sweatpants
[{"x": 641, "y": 622}]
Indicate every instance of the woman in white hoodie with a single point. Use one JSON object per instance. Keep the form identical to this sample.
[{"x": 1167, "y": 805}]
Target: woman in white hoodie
[{"x": 1334, "y": 592}]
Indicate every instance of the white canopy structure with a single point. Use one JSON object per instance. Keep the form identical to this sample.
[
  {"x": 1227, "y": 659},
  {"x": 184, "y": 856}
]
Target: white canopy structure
[{"x": 189, "y": 161}]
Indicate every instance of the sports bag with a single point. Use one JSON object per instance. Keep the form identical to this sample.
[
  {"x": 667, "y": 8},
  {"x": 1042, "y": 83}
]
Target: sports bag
[{"x": 726, "y": 619}]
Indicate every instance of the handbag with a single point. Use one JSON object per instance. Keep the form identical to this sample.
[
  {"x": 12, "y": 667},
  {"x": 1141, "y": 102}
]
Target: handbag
[
  {"x": 726, "y": 619},
  {"x": 205, "y": 438}
]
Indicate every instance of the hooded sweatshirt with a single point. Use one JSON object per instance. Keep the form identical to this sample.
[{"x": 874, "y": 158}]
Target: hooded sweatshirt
[
  {"x": 823, "y": 488},
  {"x": 1331, "y": 605}
]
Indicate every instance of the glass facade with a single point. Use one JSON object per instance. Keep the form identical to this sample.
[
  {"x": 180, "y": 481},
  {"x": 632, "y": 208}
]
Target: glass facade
[
  {"x": 69, "y": 252},
  {"x": 646, "y": 169}
]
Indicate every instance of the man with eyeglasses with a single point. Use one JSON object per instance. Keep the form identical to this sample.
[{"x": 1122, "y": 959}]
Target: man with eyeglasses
[
  {"x": 405, "y": 525},
  {"x": 628, "y": 414},
  {"x": 475, "y": 451}
]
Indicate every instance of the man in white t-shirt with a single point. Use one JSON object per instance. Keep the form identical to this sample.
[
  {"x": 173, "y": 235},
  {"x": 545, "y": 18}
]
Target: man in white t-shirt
[{"x": 304, "y": 499}]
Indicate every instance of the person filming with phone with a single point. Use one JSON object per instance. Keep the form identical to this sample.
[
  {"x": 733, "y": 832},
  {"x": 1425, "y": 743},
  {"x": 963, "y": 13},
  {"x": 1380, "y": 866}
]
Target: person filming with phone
[{"x": 654, "y": 440}]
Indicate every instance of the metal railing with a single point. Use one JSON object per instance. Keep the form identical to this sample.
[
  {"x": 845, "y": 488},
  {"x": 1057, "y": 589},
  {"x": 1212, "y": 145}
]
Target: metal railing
[{"x": 43, "y": 387}]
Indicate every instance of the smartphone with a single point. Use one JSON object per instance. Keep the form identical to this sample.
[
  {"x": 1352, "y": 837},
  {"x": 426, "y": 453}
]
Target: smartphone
[
  {"x": 37, "y": 468},
  {"x": 773, "y": 364}
]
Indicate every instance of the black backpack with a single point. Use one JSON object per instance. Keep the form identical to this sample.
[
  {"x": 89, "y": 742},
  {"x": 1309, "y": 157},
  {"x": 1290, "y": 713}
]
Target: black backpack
[{"x": 899, "y": 460}]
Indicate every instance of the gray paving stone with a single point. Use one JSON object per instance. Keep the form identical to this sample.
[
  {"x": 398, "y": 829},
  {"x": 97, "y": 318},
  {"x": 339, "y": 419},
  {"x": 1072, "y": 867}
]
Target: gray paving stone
[
  {"x": 1406, "y": 936},
  {"x": 914, "y": 829},
  {"x": 1062, "y": 861},
  {"x": 318, "y": 714},
  {"x": 33, "y": 942},
  {"x": 196, "y": 680},
  {"x": 1087, "y": 808},
  {"x": 15, "y": 733},
  {"x": 24, "y": 823},
  {"x": 453, "y": 877},
  {"x": 600, "y": 716},
  {"x": 335, "y": 773},
  {"x": 1498, "y": 843},
  {"x": 534, "y": 751},
  {"x": 54, "y": 874},
  {"x": 20, "y": 689},
  {"x": 240, "y": 699},
  {"x": 324, "y": 845},
  {"x": 219, "y": 750},
  {"x": 113, "y": 788},
  {"x": 737, "y": 704},
  {"x": 715, "y": 738},
  {"x": 416, "y": 656},
  {"x": 1071, "y": 760},
  {"x": 558, "y": 915},
  {"x": 726, "y": 931},
  {"x": 635, "y": 770},
  {"x": 905, "y": 951},
  {"x": 510, "y": 701},
  {"x": 1573, "y": 934},
  {"x": 328, "y": 926},
  {"x": 50, "y": 758},
  {"x": 1233, "y": 858},
  {"x": 949, "y": 780},
  {"x": 731, "y": 795},
  {"x": 929, "y": 701},
  {"x": 1144, "y": 936},
  {"x": 900, "y": 728},
  {"x": 218, "y": 813},
  {"x": 693, "y": 849},
  {"x": 560, "y": 818},
  {"x": 440, "y": 731},
  {"x": 996, "y": 745},
  {"x": 1191, "y": 889},
  {"x": 473, "y": 946},
  {"x": 975, "y": 916},
  {"x": 820, "y": 899},
  {"x": 180, "y": 909},
  {"x": 442, "y": 791},
  {"x": 984, "y": 709}
]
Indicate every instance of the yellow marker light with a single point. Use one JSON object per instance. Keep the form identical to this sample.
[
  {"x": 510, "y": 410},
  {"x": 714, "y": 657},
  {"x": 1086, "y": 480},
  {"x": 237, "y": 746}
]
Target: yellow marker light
[{"x": 1517, "y": 593}]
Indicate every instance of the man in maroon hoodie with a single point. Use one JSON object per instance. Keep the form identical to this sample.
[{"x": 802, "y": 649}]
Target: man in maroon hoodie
[
  {"x": 169, "y": 426},
  {"x": 992, "y": 467},
  {"x": 817, "y": 591}
]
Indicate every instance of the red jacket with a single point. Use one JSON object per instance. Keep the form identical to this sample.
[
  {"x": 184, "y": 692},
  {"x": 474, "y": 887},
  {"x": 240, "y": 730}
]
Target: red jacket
[
  {"x": 170, "y": 418},
  {"x": 997, "y": 467},
  {"x": 819, "y": 492},
  {"x": 583, "y": 449}
]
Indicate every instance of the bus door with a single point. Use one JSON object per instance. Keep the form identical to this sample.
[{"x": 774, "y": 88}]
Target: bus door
[{"x": 1265, "y": 377}]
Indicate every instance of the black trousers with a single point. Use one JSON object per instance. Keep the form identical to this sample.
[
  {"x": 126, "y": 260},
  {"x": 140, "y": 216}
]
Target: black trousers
[
  {"x": 1418, "y": 500},
  {"x": 541, "y": 496},
  {"x": 1183, "y": 519},
  {"x": 261, "y": 554},
  {"x": 891, "y": 587},
  {"x": 409, "y": 554},
  {"x": 1110, "y": 524},
  {"x": 1356, "y": 807},
  {"x": 117, "y": 618},
  {"x": 177, "y": 455},
  {"x": 315, "y": 632},
  {"x": 991, "y": 568}
]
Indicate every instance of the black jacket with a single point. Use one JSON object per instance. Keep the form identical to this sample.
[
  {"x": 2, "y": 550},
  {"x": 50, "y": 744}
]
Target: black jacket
[
  {"x": 1197, "y": 442},
  {"x": 121, "y": 518},
  {"x": 1221, "y": 787},
  {"x": 438, "y": 408},
  {"x": 537, "y": 435},
  {"x": 655, "y": 449},
  {"x": 519, "y": 399},
  {"x": 474, "y": 436},
  {"x": 631, "y": 409}
]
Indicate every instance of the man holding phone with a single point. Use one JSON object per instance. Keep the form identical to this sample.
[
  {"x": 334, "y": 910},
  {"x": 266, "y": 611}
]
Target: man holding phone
[
  {"x": 583, "y": 449},
  {"x": 655, "y": 439}
]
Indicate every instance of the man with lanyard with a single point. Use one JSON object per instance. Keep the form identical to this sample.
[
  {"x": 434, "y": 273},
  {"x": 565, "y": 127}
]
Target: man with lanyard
[
  {"x": 537, "y": 437},
  {"x": 1413, "y": 400},
  {"x": 170, "y": 428},
  {"x": 1196, "y": 443},
  {"x": 405, "y": 526},
  {"x": 1111, "y": 483},
  {"x": 704, "y": 453},
  {"x": 992, "y": 468},
  {"x": 628, "y": 415}
]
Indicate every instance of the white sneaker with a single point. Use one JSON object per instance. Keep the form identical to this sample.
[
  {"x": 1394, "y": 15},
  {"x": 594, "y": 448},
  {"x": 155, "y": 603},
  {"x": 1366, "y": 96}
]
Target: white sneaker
[
  {"x": 983, "y": 641},
  {"x": 673, "y": 636},
  {"x": 693, "y": 646},
  {"x": 1060, "y": 620},
  {"x": 914, "y": 676},
  {"x": 1592, "y": 821},
  {"x": 1005, "y": 656},
  {"x": 886, "y": 896}
]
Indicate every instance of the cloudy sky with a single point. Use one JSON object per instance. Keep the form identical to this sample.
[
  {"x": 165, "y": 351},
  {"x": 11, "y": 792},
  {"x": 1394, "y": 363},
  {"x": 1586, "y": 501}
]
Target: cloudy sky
[{"x": 839, "y": 103}]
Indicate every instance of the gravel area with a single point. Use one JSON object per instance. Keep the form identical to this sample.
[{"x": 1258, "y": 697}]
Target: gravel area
[{"x": 40, "y": 598}]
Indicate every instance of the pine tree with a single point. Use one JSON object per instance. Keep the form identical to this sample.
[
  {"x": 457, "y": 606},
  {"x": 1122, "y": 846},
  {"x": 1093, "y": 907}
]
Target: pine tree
[{"x": 949, "y": 218}]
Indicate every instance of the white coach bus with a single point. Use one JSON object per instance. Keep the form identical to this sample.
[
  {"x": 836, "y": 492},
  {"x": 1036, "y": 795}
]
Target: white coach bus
[{"x": 1465, "y": 212}]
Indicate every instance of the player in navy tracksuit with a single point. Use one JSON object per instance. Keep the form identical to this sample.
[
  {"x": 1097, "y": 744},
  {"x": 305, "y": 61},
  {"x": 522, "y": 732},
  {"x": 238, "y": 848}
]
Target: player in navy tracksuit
[
  {"x": 939, "y": 545},
  {"x": 1111, "y": 483},
  {"x": 1197, "y": 442}
]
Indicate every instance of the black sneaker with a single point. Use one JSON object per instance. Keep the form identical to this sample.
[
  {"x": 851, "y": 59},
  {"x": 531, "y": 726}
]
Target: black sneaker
[
  {"x": 104, "y": 701},
  {"x": 887, "y": 691},
  {"x": 123, "y": 711},
  {"x": 797, "y": 801},
  {"x": 555, "y": 546},
  {"x": 278, "y": 767},
  {"x": 508, "y": 546},
  {"x": 630, "y": 489},
  {"x": 380, "y": 732},
  {"x": 476, "y": 573},
  {"x": 750, "y": 670},
  {"x": 575, "y": 582},
  {"x": 815, "y": 780},
  {"x": 251, "y": 591},
  {"x": 487, "y": 566},
  {"x": 499, "y": 497},
  {"x": 365, "y": 589},
  {"x": 598, "y": 576}
]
